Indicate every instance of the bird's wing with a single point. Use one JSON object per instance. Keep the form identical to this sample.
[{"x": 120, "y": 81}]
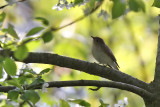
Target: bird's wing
[{"x": 110, "y": 53}]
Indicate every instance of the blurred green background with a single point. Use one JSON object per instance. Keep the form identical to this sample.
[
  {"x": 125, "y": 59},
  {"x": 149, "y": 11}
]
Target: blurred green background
[{"x": 132, "y": 38}]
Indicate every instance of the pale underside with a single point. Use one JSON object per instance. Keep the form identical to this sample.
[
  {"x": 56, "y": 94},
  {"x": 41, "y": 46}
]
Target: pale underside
[{"x": 102, "y": 57}]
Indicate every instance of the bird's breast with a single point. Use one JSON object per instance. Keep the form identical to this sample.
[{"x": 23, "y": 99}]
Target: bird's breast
[{"x": 100, "y": 55}]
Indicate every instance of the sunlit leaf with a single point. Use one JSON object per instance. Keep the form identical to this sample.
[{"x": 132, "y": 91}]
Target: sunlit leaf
[
  {"x": 14, "y": 82},
  {"x": 30, "y": 95},
  {"x": 64, "y": 103},
  {"x": 118, "y": 9},
  {"x": 10, "y": 66},
  {"x": 12, "y": 32},
  {"x": 47, "y": 36},
  {"x": 21, "y": 53},
  {"x": 44, "y": 71},
  {"x": 13, "y": 94},
  {"x": 34, "y": 31},
  {"x": 43, "y": 20},
  {"x": 80, "y": 102}
]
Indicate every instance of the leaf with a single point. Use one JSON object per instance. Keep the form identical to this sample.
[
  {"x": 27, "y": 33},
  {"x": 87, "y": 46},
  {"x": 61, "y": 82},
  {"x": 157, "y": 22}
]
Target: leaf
[
  {"x": 77, "y": 1},
  {"x": 13, "y": 94},
  {"x": 43, "y": 20},
  {"x": 133, "y": 5},
  {"x": 47, "y": 36},
  {"x": 21, "y": 53},
  {"x": 80, "y": 102},
  {"x": 118, "y": 9},
  {"x": 102, "y": 103},
  {"x": 30, "y": 95},
  {"x": 34, "y": 31},
  {"x": 30, "y": 71},
  {"x": 136, "y": 5},
  {"x": 12, "y": 32},
  {"x": 156, "y": 3},
  {"x": 44, "y": 71},
  {"x": 36, "y": 82},
  {"x": 23, "y": 79},
  {"x": 2, "y": 16},
  {"x": 10, "y": 66},
  {"x": 64, "y": 103},
  {"x": 14, "y": 82}
]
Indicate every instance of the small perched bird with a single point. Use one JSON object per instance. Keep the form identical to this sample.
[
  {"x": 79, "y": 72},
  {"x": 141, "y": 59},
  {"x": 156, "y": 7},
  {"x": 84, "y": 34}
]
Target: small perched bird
[{"x": 103, "y": 54}]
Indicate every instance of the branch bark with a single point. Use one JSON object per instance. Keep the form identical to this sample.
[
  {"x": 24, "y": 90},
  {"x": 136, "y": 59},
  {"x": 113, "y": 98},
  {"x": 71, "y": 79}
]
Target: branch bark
[
  {"x": 90, "y": 68},
  {"x": 157, "y": 69},
  {"x": 143, "y": 93}
]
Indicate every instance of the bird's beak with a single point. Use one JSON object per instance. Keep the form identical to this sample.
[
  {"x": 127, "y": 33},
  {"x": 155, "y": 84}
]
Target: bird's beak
[{"x": 92, "y": 37}]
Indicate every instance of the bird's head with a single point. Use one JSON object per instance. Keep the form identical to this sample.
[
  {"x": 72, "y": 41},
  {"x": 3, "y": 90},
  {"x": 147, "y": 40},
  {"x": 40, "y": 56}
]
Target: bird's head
[{"x": 97, "y": 40}]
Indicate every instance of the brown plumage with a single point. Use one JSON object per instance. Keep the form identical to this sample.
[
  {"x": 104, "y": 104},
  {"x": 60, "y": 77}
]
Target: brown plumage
[{"x": 103, "y": 54}]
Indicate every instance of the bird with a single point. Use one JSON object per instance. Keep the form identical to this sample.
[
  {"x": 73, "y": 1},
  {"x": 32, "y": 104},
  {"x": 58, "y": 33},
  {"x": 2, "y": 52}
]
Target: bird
[{"x": 103, "y": 54}]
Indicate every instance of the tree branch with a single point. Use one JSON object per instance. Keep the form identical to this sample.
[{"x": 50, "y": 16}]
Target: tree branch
[
  {"x": 157, "y": 69},
  {"x": 90, "y": 68},
  {"x": 143, "y": 93}
]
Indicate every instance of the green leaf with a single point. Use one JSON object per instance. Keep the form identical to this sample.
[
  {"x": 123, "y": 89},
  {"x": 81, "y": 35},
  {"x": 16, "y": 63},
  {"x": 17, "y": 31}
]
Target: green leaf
[
  {"x": 80, "y": 102},
  {"x": 21, "y": 53},
  {"x": 43, "y": 20},
  {"x": 23, "y": 79},
  {"x": 13, "y": 94},
  {"x": 64, "y": 103},
  {"x": 34, "y": 31},
  {"x": 44, "y": 71},
  {"x": 47, "y": 36},
  {"x": 133, "y": 5},
  {"x": 136, "y": 5},
  {"x": 36, "y": 82},
  {"x": 77, "y": 1},
  {"x": 12, "y": 32},
  {"x": 118, "y": 9},
  {"x": 14, "y": 82},
  {"x": 10, "y": 66},
  {"x": 102, "y": 103},
  {"x": 30, "y": 71},
  {"x": 156, "y": 3},
  {"x": 30, "y": 95},
  {"x": 2, "y": 16}
]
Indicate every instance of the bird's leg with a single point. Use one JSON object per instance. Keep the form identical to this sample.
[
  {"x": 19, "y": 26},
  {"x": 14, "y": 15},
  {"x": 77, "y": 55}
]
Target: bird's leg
[{"x": 109, "y": 66}]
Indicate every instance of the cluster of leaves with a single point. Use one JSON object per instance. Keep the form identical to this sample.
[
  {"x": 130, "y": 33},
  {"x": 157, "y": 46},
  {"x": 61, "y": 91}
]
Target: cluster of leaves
[
  {"x": 28, "y": 79},
  {"x": 21, "y": 51}
]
